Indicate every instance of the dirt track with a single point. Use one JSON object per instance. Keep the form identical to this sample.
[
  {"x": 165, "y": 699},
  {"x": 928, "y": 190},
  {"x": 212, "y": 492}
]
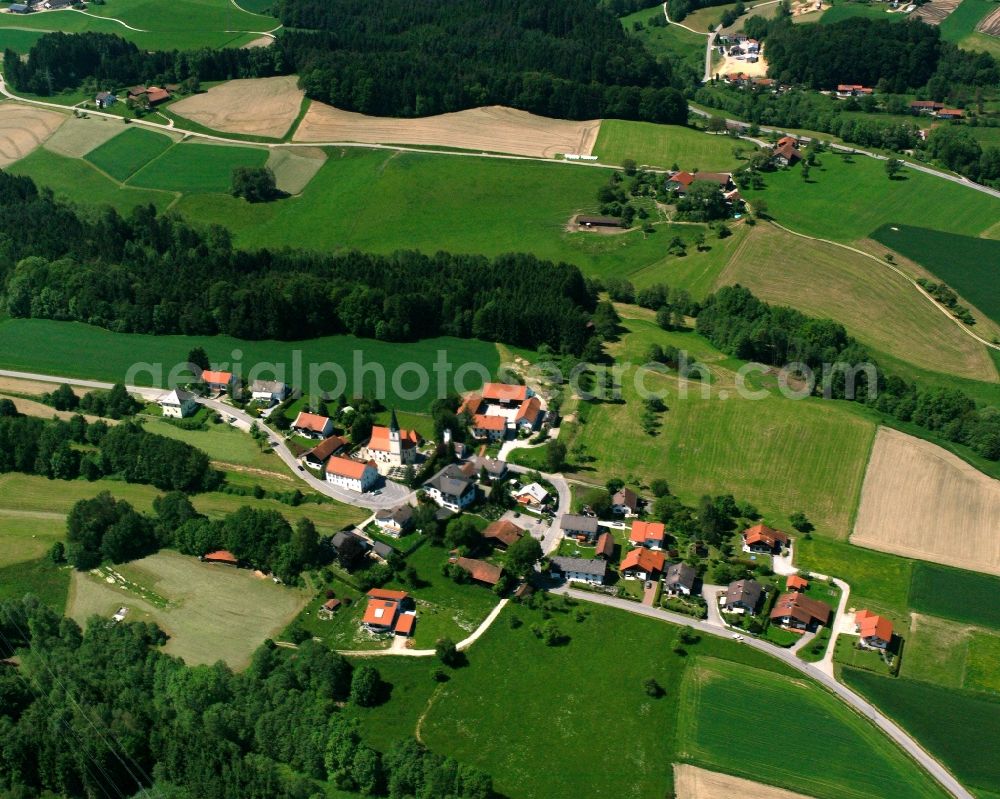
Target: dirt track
[
  {"x": 920, "y": 501},
  {"x": 492, "y": 129},
  {"x": 256, "y": 107},
  {"x": 23, "y": 128},
  {"x": 691, "y": 782}
]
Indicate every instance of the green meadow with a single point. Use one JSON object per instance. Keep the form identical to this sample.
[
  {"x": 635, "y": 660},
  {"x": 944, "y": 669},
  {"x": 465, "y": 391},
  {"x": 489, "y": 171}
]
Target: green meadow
[
  {"x": 955, "y": 594},
  {"x": 20, "y": 41},
  {"x": 196, "y": 168},
  {"x": 846, "y": 9},
  {"x": 127, "y": 153},
  {"x": 666, "y": 145},
  {"x": 666, "y": 41},
  {"x": 960, "y": 27}
]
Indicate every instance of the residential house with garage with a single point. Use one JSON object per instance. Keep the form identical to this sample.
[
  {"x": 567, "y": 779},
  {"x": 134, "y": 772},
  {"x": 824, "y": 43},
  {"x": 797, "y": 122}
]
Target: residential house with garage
[
  {"x": 178, "y": 404},
  {"x": 396, "y": 521},
  {"x": 218, "y": 381},
  {"x": 576, "y": 526},
  {"x": 875, "y": 630},
  {"x": 316, "y": 457},
  {"x": 642, "y": 564},
  {"x": 679, "y": 579},
  {"x": 531, "y": 496},
  {"x": 800, "y": 612},
  {"x": 312, "y": 425},
  {"x": 743, "y": 596},
  {"x": 384, "y": 610},
  {"x": 453, "y": 487},
  {"x": 583, "y": 570},
  {"x": 651, "y": 535},
  {"x": 625, "y": 502},
  {"x": 269, "y": 391},
  {"x": 763, "y": 539}
]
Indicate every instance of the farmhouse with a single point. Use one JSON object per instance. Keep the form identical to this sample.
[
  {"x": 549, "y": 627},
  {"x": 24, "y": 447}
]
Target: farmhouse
[
  {"x": 605, "y": 547},
  {"x": 451, "y": 488},
  {"x": 642, "y": 564},
  {"x": 480, "y": 571},
  {"x": 796, "y": 583},
  {"x": 105, "y": 99},
  {"x": 680, "y": 578},
  {"x": 528, "y": 415},
  {"x": 950, "y": 113},
  {"x": 489, "y": 428},
  {"x": 391, "y": 447},
  {"x": 925, "y": 107},
  {"x": 764, "y": 539},
  {"x": 647, "y": 534},
  {"x": 223, "y": 556},
  {"x": 395, "y": 521},
  {"x": 350, "y": 474},
  {"x": 625, "y": 501},
  {"x": 502, "y": 533},
  {"x": 505, "y": 394},
  {"x": 531, "y": 496},
  {"x": 681, "y": 181},
  {"x": 317, "y": 456},
  {"x": 383, "y": 609},
  {"x": 582, "y": 570},
  {"x": 875, "y": 631},
  {"x": 312, "y": 425},
  {"x": 800, "y": 612},
  {"x": 156, "y": 95},
  {"x": 501, "y": 407},
  {"x": 178, "y": 404},
  {"x": 742, "y": 596},
  {"x": 786, "y": 152},
  {"x": 576, "y": 526},
  {"x": 218, "y": 381},
  {"x": 852, "y": 90},
  {"x": 20, "y": 8},
  {"x": 270, "y": 391}
]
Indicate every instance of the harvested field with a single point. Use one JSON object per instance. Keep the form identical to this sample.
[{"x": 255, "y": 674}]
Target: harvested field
[
  {"x": 920, "y": 501},
  {"x": 990, "y": 24},
  {"x": 936, "y": 11},
  {"x": 17, "y": 385},
  {"x": 77, "y": 136},
  {"x": 22, "y": 129},
  {"x": 691, "y": 782},
  {"x": 492, "y": 129},
  {"x": 42, "y": 411},
  {"x": 257, "y": 107},
  {"x": 294, "y": 168}
]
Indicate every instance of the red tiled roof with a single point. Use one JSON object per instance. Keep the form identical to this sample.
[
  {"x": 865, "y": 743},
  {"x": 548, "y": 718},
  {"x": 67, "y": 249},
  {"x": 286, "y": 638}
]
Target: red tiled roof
[
  {"x": 644, "y": 560},
  {"x": 381, "y": 612},
  {"x": 221, "y": 556},
  {"x": 504, "y": 392},
  {"x": 471, "y": 404},
  {"x": 380, "y": 439},
  {"x": 405, "y": 623},
  {"x": 504, "y": 531},
  {"x": 225, "y": 378},
  {"x": 803, "y": 608},
  {"x": 480, "y": 570},
  {"x": 331, "y": 604},
  {"x": 646, "y": 531},
  {"x": 871, "y": 625},
  {"x": 762, "y": 533},
  {"x": 495, "y": 423},
  {"x": 952, "y": 112},
  {"x": 345, "y": 467},
  {"x": 327, "y": 447},
  {"x": 794, "y": 582},
  {"x": 385, "y": 593},
  {"x": 529, "y": 410},
  {"x": 310, "y": 421},
  {"x": 156, "y": 94},
  {"x": 684, "y": 178},
  {"x": 605, "y": 545}
]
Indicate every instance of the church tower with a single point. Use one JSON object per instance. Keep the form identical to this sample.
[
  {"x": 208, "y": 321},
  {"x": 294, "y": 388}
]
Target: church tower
[{"x": 394, "y": 445}]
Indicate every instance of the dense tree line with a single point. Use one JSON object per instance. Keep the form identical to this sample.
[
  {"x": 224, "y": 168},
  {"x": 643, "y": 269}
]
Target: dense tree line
[
  {"x": 158, "y": 274},
  {"x": 679, "y": 9},
  {"x": 71, "y": 449},
  {"x": 740, "y": 324},
  {"x": 102, "y": 712},
  {"x": 115, "y": 403}
]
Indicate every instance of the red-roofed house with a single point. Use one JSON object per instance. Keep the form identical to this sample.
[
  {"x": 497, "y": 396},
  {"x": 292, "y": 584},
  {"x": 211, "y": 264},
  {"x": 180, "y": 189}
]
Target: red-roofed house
[
  {"x": 390, "y": 447},
  {"x": 223, "y": 556},
  {"x": 312, "y": 425},
  {"x": 480, "y": 570},
  {"x": 605, "y": 546},
  {"x": 796, "y": 583},
  {"x": 317, "y": 456},
  {"x": 529, "y": 414},
  {"x": 761, "y": 538},
  {"x": 950, "y": 113},
  {"x": 470, "y": 405},
  {"x": 383, "y": 609},
  {"x": 785, "y": 154},
  {"x": 800, "y": 612},
  {"x": 643, "y": 564},
  {"x": 405, "y": 623},
  {"x": 217, "y": 381},
  {"x": 490, "y": 428},
  {"x": 647, "y": 534},
  {"x": 875, "y": 630},
  {"x": 925, "y": 106},
  {"x": 156, "y": 95},
  {"x": 505, "y": 394},
  {"x": 350, "y": 474},
  {"x": 852, "y": 90},
  {"x": 502, "y": 533}
]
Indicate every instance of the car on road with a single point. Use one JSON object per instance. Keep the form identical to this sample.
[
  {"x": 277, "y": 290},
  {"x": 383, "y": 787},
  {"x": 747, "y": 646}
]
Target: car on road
[{"x": 737, "y": 637}]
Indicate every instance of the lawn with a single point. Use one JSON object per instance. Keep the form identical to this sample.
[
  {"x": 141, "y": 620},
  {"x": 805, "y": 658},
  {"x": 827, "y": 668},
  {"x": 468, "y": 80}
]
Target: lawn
[
  {"x": 50, "y": 583},
  {"x": 717, "y": 699},
  {"x": 955, "y": 594},
  {"x": 960, "y": 728},
  {"x": 222, "y": 443},
  {"x": 27, "y": 535},
  {"x": 847, "y": 653},
  {"x": 666, "y": 42},
  {"x": 20, "y": 41},
  {"x": 847, "y": 200},
  {"x": 78, "y": 181},
  {"x": 936, "y": 651},
  {"x": 197, "y": 168},
  {"x": 967, "y": 264},
  {"x": 82, "y": 351},
  {"x": 126, "y": 154},
  {"x": 213, "y": 613},
  {"x": 665, "y": 145}
]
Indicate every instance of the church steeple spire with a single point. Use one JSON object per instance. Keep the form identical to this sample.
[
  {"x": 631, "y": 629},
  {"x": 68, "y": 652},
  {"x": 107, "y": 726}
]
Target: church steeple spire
[{"x": 393, "y": 424}]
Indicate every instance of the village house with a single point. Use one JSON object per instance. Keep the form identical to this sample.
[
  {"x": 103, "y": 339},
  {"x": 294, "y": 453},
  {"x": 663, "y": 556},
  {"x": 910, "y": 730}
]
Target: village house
[
  {"x": 582, "y": 570},
  {"x": 796, "y": 583},
  {"x": 350, "y": 474},
  {"x": 495, "y": 469},
  {"x": 395, "y": 521},
  {"x": 875, "y": 630},
  {"x": 178, "y": 404},
  {"x": 349, "y": 539},
  {"x": 391, "y": 447},
  {"x": 531, "y": 496},
  {"x": 925, "y": 107},
  {"x": 316, "y": 457},
  {"x": 800, "y": 612},
  {"x": 312, "y": 425},
  {"x": 270, "y": 391},
  {"x": 105, "y": 99},
  {"x": 605, "y": 547},
  {"x": 218, "y": 381},
  {"x": 505, "y": 394},
  {"x": 452, "y": 488},
  {"x": 763, "y": 539},
  {"x": 853, "y": 90},
  {"x": 680, "y": 182},
  {"x": 950, "y": 113},
  {"x": 488, "y": 428},
  {"x": 576, "y": 526},
  {"x": 642, "y": 564},
  {"x": 480, "y": 571},
  {"x": 679, "y": 579},
  {"x": 786, "y": 151},
  {"x": 156, "y": 95},
  {"x": 625, "y": 502},
  {"x": 384, "y": 611},
  {"x": 742, "y": 596},
  {"x": 502, "y": 534},
  {"x": 648, "y": 534},
  {"x": 528, "y": 415}
]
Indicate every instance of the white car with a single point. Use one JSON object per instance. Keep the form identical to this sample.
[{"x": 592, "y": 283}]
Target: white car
[{"x": 737, "y": 637}]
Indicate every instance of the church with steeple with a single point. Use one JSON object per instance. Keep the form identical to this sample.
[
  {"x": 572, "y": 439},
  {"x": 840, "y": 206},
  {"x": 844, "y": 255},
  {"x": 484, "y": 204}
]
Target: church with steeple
[{"x": 391, "y": 447}]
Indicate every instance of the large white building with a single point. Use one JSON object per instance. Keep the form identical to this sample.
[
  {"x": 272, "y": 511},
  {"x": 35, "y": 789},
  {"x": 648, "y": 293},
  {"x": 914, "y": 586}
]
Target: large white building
[
  {"x": 350, "y": 474},
  {"x": 390, "y": 447},
  {"x": 178, "y": 404}
]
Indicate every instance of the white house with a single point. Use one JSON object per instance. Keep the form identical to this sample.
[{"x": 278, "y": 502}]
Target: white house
[
  {"x": 271, "y": 391},
  {"x": 350, "y": 474},
  {"x": 395, "y": 521},
  {"x": 178, "y": 404},
  {"x": 451, "y": 488},
  {"x": 531, "y": 495},
  {"x": 583, "y": 570}
]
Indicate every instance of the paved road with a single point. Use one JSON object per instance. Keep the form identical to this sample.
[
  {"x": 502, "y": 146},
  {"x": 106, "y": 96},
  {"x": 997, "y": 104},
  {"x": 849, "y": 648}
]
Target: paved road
[
  {"x": 865, "y": 708},
  {"x": 553, "y": 534}
]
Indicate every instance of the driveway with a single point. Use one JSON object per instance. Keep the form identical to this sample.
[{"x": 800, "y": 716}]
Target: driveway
[
  {"x": 553, "y": 535},
  {"x": 710, "y": 593}
]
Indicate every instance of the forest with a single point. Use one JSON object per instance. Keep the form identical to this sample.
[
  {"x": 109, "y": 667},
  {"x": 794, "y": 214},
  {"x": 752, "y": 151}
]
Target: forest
[
  {"x": 742, "y": 325},
  {"x": 102, "y": 712},
  {"x": 151, "y": 273}
]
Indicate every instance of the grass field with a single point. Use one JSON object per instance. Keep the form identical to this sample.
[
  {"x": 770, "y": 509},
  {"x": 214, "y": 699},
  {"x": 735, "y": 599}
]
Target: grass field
[
  {"x": 877, "y": 306},
  {"x": 958, "y": 727},
  {"x": 50, "y": 583},
  {"x": 982, "y": 668},
  {"x": 664, "y": 145},
  {"x": 20, "y": 41},
  {"x": 936, "y": 651},
  {"x": 715, "y": 701},
  {"x": 782, "y": 455},
  {"x": 213, "y": 613},
  {"x": 197, "y": 168},
  {"x": 956, "y": 594},
  {"x": 844, "y": 9},
  {"x": 834, "y": 203},
  {"x": 669, "y": 41},
  {"x": 127, "y": 153},
  {"x": 78, "y": 181},
  {"x": 77, "y": 350},
  {"x": 960, "y": 26},
  {"x": 969, "y": 265},
  {"x": 222, "y": 443}
]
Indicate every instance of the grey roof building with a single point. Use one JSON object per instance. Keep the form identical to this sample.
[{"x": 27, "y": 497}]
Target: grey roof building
[
  {"x": 574, "y": 524},
  {"x": 743, "y": 595},
  {"x": 680, "y": 577},
  {"x": 584, "y": 569}
]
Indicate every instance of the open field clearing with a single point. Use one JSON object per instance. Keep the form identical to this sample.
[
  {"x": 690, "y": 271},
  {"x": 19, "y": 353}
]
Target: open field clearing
[
  {"x": 921, "y": 501},
  {"x": 963, "y": 596},
  {"x": 23, "y": 128},
  {"x": 41, "y": 577},
  {"x": 28, "y": 535},
  {"x": 834, "y": 205},
  {"x": 665, "y": 145},
  {"x": 194, "y": 168},
  {"x": 492, "y": 129},
  {"x": 124, "y": 155},
  {"x": 876, "y": 305},
  {"x": 213, "y": 613},
  {"x": 845, "y": 9},
  {"x": 185, "y": 16},
  {"x": 715, "y": 701},
  {"x": 969, "y": 265},
  {"x": 957, "y": 727},
  {"x": 78, "y": 136},
  {"x": 258, "y": 107},
  {"x": 665, "y": 41},
  {"x": 691, "y": 782},
  {"x": 293, "y": 169},
  {"x": 990, "y": 24}
]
